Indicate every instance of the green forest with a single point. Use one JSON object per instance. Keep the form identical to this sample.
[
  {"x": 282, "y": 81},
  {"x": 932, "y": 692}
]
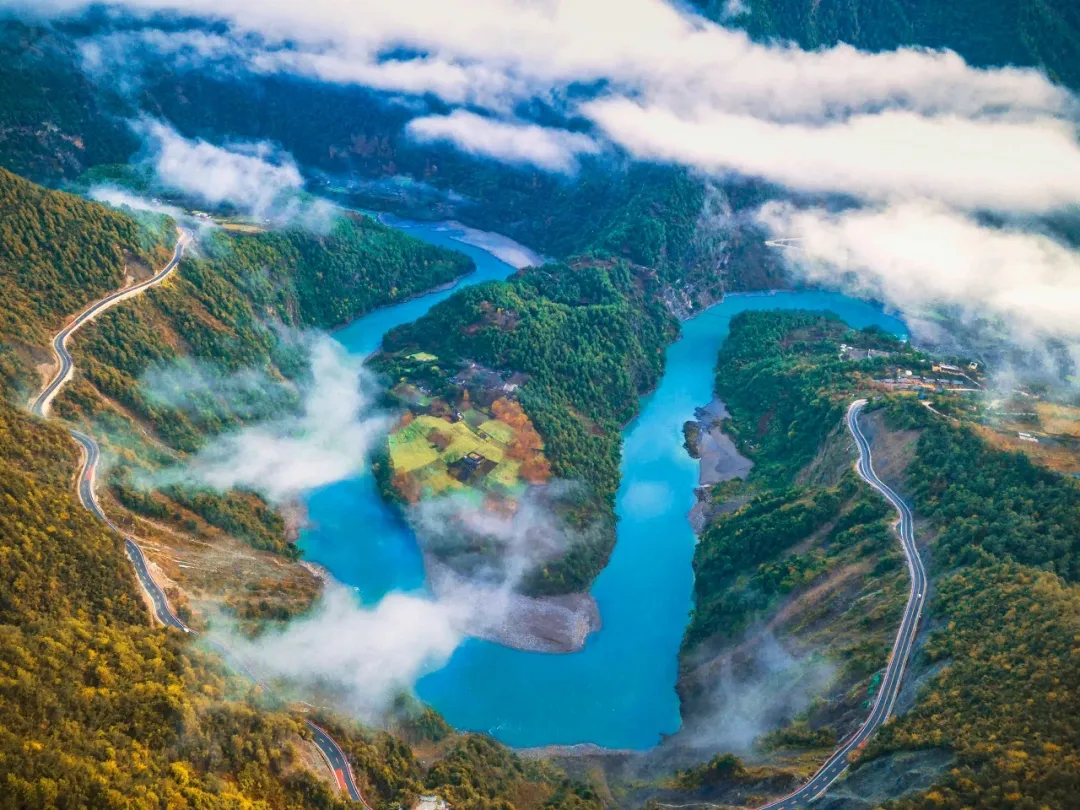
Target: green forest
[
  {"x": 1028, "y": 33},
  {"x": 1001, "y": 627}
]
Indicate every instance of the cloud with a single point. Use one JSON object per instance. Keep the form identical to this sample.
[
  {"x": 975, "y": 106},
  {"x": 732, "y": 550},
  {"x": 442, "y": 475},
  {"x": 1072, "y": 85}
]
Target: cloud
[
  {"x": 252, "y": 176},
  {"x": 555, "y": 150},
  {"x": 735, "y": 8},
  {"x": 667, "y": 84},
  {"x": 497, "y": 543},
  {"x": 759, "y": 694},
  {"x": 202, "y": 391},
  {"x": 984, "y": 163},
  {"x": 365, "y": 655},
  {"x": 328, "y": 441},
  {"x": 918, "y": 254},
  {"x": 121, "y": 198}
]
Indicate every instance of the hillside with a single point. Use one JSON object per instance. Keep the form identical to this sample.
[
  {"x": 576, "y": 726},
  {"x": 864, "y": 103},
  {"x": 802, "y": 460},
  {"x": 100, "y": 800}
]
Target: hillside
[
  {"x": 56, "y": 253},
  {"x": 811, "y": 558},
  {"x": 1029, "y": 33},
  {"x": 98, "y": 708}
]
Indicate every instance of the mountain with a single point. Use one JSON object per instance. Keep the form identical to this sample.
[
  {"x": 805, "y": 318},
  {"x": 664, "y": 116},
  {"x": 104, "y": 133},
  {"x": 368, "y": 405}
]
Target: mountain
[
  {"x": 803, "y": 552},
  {"x": 1043, "y": 34},
  {"x": 97, "y": 708}
]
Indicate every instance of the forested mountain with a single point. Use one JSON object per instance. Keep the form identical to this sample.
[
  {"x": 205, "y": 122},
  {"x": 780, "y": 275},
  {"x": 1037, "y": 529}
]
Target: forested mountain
[
  {"x": 646, "y": 214},
  {"x": 55, "y": 122},
  {"x": 1027, "y": 33},
  {"x": 97, "y": 708},
  {"x": 57, "y": 251},
  {"x": 992, "y": 681}
]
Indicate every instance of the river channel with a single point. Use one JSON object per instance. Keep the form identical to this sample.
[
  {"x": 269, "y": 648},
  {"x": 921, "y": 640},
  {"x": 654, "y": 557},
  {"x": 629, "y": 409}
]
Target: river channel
[{"x": 619, "y": 692}]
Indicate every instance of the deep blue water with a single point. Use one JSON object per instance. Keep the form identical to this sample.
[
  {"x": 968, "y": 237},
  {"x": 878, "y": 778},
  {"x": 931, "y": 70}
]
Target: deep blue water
[{"x": 618, "y": 692}]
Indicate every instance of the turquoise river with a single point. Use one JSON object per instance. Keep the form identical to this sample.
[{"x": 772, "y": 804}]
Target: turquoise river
[{"x": 619, "y": 692}]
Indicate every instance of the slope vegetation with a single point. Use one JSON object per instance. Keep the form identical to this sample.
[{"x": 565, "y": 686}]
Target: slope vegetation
[{"x": 814, "y": 562}]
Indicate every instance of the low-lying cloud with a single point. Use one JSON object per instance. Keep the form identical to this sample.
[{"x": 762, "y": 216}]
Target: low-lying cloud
[
  {"x": 984, "y": 163},
  {"x": 254, "y": 177},
  {"x": 555, "y": 150},
  {"x": 121, "y": 198},
  {"x": 364, "y": 656},
  {"x": 758, "y": 696},
  {"x": 662, "y": 83},
  {"x": 919, "y": 254},
  {"x": 329, "y": 440}
]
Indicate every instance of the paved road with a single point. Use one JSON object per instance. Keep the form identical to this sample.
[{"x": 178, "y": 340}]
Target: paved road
[
  {"x": 326, "y": 744},
  {"x": 905, "y": 636},
  {"x": 338, "y": 762},
  {"x": 89, "y": 500},
  {"x": 59, "y": 343}
]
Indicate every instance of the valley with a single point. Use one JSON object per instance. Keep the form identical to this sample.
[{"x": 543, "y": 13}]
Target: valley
[{"x": 539, "y": 406}]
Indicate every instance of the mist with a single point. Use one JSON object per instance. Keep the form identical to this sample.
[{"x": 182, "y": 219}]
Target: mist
[
  {"x": 758, "y": 695},
  {"x": 361, "y": 656},
  {"x": 328, "y": 439}
]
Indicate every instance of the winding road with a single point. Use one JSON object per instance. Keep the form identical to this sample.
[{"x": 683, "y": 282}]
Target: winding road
[
  {"x": 835, "y": 766},
  {"x": 59, "y": 343},
  {"x": 330, "y": 750}
]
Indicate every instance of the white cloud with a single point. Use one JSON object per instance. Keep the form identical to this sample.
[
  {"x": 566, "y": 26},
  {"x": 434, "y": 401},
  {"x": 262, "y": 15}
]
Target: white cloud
[
  {"x": 121, "y": 198},
  {"x": 916, "y": 254},
  {"x": 735, "y": 8},
  {"x": 366, "y": 654},
  {"x": 890, "y": 129},
  {"x": 329, "y": 441},
  {"x": 981, "y": 163},
  {"x": 555, "y": 150},
  {"x": 683, "y": 80},
  {"x": 253, "y": 176}
]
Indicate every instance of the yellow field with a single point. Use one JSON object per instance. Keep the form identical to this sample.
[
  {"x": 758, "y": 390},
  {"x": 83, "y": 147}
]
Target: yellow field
[
  {"x": 506, "y": 474},
  {"x": 413, "y": 453},
  {"x": 462, "y": 440},
  {"x": 436, "y": 480},
  {"x": 242, "y": 227},
  {"x": 499, "y": 431},
  {"x": 1059, "y": 420},
  {"x": 423, "y": 357},
  {"x": 410, "y": 450}
]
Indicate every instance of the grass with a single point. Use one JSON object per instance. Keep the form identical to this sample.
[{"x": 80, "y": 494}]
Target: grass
[
  {"x": 506, "y": 474},
  {"x": 462, "y": 439},
  {"x": 499, "y": 431},
  {"x": 410, "y": 450},
  {"x": 1059, "y": 420}
]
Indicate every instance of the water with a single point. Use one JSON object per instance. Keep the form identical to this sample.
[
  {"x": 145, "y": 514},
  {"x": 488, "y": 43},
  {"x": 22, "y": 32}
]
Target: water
[{"x": 618, "y": 692}]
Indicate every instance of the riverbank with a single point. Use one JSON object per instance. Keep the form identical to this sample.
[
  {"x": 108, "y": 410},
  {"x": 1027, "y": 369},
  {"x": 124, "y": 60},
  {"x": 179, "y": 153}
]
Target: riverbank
[
  {"x": 718, "y": 460},
  {"x": 541, "y": 624}
]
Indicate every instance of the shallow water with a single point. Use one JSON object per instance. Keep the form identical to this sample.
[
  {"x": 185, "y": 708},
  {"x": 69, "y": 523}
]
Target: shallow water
[{"x": 619, "y": 692}]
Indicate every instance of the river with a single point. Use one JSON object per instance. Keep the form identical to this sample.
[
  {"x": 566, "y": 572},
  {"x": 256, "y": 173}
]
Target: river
[{"x": 619, "y": 692}]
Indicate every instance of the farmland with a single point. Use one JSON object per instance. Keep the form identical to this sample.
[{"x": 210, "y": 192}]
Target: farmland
[{"x": 495, "y": 451}]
